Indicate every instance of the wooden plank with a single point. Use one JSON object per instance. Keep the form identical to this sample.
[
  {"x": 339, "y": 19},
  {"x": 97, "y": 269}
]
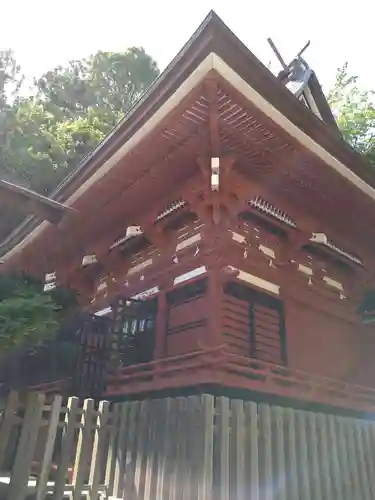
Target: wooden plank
[
  {"x": 337, "y": 483},
  {"x": 266, "y": 451},
  {"x": 313, "y": 451},
  {"x": 141, "y": 446},
  {"x": 343, "y": 452},
  {"x": 251, "y": 410},
  {"x": 302, "y": 461},
  {"x": 360, "y": 453},
  {"x": 238, "y": 438},
  {"x": 324, "y": 456},
  {"x": 151, "y": 448},
  {"x": 98, "y": 450},
  {"x": 165, "y": 446},
  {"x": 83, "y": 448},
  {"x": 207, "y": 414},
  {"x": 112, "y": 449},
  {"x": 369, "y": 454},
  {"x": 291, "y": 455},
  {"x": 7, "y": 424},
  {"x": 194, "y": 447},
  {"x": 26, "y": 447},
  {"x": 66, "y": 444},
  {"x": 186, "y": 462},
  {"x": 357, "y": 493},
  {"x": 177, "y": 480},
  {"x": 223, "y": 423},
  {"x": 170, "y": 470},
  {"x": 131, "y": 449},
  {"x": 48, "y": 451},
  {"x": 277, "y": 414},
  {"x": 120, "y": 460}
]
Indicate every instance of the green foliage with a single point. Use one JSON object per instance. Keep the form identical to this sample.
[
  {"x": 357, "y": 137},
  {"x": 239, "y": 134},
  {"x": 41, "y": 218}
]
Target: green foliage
[
  {"x": 44, "y": 135},
  {"x": 27, "y": 316},
  {"x": 355, "y": 113}
]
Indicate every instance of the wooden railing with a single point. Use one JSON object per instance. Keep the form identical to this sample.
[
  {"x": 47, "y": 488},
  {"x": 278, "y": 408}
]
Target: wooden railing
[{"x": 218, "y": 366}]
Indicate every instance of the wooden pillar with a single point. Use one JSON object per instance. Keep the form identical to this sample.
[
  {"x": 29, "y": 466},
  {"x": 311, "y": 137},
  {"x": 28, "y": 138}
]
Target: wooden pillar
[{"x": 161, "y": 324}]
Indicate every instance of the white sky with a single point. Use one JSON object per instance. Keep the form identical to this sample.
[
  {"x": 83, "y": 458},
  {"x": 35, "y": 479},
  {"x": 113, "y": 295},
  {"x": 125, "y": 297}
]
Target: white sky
[{"x": 45, "y": 33}]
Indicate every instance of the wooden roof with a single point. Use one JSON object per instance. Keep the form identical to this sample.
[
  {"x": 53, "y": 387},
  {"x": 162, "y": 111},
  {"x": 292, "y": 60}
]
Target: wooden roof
[{"x": 212, "y": 48}]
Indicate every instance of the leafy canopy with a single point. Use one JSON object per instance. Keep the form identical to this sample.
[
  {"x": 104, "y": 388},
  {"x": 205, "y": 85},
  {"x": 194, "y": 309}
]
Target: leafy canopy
[
  {"x": 354, "y": 109},
  {"x": 45, "y": 133},
  {"x": 28, "y": 316}
]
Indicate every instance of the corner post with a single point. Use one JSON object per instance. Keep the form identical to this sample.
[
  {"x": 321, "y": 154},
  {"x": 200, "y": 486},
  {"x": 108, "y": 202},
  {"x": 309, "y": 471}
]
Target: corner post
[{"x": 161, "y": 323}]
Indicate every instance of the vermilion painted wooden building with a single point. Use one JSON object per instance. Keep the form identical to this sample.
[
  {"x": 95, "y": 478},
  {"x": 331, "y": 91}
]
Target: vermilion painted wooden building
[{"x": 225, "y": 229}]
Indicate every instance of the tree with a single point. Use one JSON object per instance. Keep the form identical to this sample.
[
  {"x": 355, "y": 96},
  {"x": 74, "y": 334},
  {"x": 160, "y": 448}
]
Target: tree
[
  {"x": 29, "y": 316},
  {"x": 32, "y": 347},
  {"x": 355, "y": 113},
  {"x": 70, "y": 110}
]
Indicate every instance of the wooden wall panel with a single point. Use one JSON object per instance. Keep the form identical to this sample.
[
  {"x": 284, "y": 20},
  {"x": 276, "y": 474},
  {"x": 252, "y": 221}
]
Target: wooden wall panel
[
  {"x": 187, "y": 340},
  {"x": 321, "y": 343},
  {"x": 236, "y": 325},
  {"x": 192, "y": 310},
  {"x": 267, "y": 338},
  {"x": 186, "y": 326}
]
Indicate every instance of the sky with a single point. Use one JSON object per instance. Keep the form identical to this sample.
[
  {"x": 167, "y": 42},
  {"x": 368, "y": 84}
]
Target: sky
[{"x": 46, "y": 33}]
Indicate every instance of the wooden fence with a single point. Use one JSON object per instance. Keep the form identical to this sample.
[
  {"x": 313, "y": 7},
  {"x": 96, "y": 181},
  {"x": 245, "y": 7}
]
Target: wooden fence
[{"x": 188, "y": 448}]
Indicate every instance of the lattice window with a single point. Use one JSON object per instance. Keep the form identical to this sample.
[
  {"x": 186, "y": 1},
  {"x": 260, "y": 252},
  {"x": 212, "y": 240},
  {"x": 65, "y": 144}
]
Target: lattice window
[{"x": 133, "y": 336}]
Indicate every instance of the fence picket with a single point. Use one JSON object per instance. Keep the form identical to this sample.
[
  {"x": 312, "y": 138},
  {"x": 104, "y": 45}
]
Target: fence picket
[
  {"x": 292, "y": 478},
  {"x": 26, "y": 447},
  {"x": 238, "y": 435},
  {"x": 112, "y": 449},
  {"x": 66, "y": 444},
  {"x": 251, "y": 410},
  {"x": 302, "y": 459},
  {"x": 352, "y": 457},
  {"x": 150, "y": 449},
  {"x": 223, "y": 447},
  {"x": 97, "y": 450},
  {"x": 335, "y": 463},
  {"x": 84, "y": 437},
  {"x": 278, "y": 414},
  {"x": 315, "y": 480},
  {"x": 7, "y": 424},
  {"x": 193, "y": 448},
  {"x": 266, "y": 451},
  {"x": 359, "y": 445},
  {"x": 50, "y": 443},
  {"x": 121, "y": 451},
  {"x": 207, "y": 424}
]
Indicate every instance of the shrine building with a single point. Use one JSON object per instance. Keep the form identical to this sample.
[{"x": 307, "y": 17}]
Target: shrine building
[{"x": 220, "y": 238}]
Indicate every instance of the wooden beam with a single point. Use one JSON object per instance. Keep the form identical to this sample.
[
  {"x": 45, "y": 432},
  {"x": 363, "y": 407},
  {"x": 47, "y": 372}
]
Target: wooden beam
[{"x": 25, "y": 200}]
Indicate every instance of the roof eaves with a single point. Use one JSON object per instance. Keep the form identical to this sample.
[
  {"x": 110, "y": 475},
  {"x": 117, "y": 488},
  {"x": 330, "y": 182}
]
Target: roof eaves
[{"x": 211, "y": 36}]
